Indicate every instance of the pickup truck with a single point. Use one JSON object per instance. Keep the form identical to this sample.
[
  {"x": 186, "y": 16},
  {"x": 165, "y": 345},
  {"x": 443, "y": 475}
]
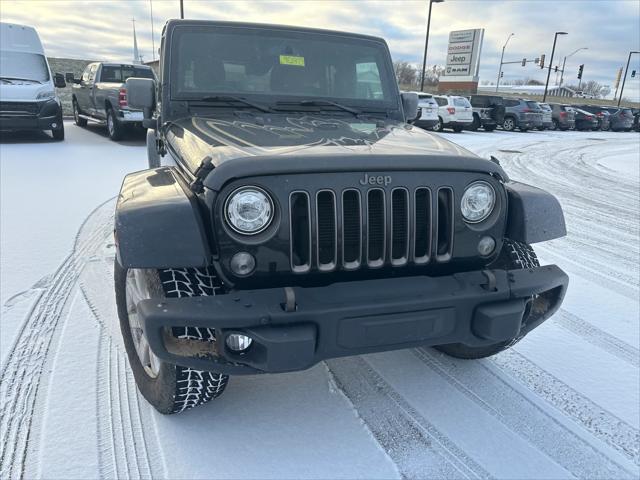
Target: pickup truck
[
  {"x": 291, "y": 215},
  {"x": 100, "y": 95}
]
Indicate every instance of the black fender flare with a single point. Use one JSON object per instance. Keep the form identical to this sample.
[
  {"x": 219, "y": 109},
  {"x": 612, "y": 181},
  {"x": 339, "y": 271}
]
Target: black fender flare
[
  {"x": 158, "y": 222},
  {"x": 534, "y": 215}
]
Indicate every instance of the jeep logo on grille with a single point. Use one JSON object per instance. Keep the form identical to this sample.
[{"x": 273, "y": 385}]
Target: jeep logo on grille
[{"x": 375, "y": 180}]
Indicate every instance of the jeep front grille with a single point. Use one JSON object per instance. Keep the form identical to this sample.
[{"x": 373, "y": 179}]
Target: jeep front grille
[{"x": 370, "y": 228}]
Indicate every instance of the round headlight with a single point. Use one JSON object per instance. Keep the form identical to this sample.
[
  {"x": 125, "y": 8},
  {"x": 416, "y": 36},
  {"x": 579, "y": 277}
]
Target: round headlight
[
  {"x": 477, "y": 202},
  {"x": 249, "y": 210}
]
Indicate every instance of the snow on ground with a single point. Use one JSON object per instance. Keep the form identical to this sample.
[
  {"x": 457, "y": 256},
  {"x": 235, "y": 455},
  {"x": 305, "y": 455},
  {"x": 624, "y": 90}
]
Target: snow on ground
[{"x": 563, "y": 403}]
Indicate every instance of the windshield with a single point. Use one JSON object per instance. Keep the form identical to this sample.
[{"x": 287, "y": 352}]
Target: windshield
[
  {"x": 120, "y": 73},
  {"x": 267, "y": 63},
  {"x": 21, "y": 65},
  {"x": 461, "y": 102}
]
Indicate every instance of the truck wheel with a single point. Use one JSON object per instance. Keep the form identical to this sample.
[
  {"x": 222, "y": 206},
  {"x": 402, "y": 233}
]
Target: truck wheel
[
  {"x": 509, "y": 124},
  {"x": 476, "y": 123},
  {"x": 58, "y": 133},
  {"x": 114, "y": 127},
  {"x": 168, "y": 388},
  {"x": 514, "y": 255},
  {"x": 438, "y": 126},
  {"x": 152, "y": 152},
  {"x": 79, "y": 121}
]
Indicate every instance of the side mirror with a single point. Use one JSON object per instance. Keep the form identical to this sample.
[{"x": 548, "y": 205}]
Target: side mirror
[
  {"x": 141, "y": 95},
  {"x": 69, "y": 77},
  {"x": 58, "y": 80},
  {"x": 410, "y": 106}
]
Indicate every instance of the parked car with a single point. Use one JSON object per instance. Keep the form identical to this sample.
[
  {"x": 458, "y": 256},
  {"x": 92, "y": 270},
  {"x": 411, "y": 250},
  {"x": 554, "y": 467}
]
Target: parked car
[
  {"x": 601, "y": 113},
  {"x": 621, "y": 119},
  {"x": 28, "y": 99},
  {"x": 521, "y": 114},
  {"x": 488, "y": 112},
  {"x": 585, "y": 120},
  {"x": 547, "y": 116},
  {"x": 563, "y": 117},
  {"x": 427, "y": 111},
  {"x": 260, "y": 247},
  {"x": 454, "y": 112},
  {"x": 100, "y": 95}
]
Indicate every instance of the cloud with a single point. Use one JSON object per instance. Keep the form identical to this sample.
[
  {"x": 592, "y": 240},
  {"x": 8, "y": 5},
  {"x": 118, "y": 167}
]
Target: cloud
[{"x": 102, "y": 29}]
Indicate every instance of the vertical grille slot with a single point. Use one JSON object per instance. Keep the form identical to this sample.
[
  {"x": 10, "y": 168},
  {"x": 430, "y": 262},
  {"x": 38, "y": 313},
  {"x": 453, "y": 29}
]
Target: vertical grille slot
[
  {"x": 422, "y": 239},
  {"x": 444, "y": 243},
  {"x": 351, "y": 229},
  {"x": 326, "y": 230},
  {"x": 399, "y": 226},
  {"x": 375, "y": 228},
  {"x": 300, "y": 231}
]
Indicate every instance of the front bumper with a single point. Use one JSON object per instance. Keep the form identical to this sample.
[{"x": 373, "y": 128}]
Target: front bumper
[
  {"x": 294, "y": 328},
  {"x": 48, "y": 113}
]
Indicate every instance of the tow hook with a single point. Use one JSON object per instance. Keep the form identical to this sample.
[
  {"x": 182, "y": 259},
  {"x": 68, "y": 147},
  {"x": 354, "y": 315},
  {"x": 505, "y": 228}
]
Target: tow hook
[
  {"x": 289, "y": 304},
  {"x": 490, "y": 286}
]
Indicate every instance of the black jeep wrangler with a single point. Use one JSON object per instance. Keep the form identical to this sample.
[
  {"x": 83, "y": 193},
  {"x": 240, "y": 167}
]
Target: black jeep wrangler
[{"x": 290, "y": 215}]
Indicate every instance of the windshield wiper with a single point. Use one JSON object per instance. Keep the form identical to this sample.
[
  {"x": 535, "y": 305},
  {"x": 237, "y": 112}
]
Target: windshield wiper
[
  {"x": 231, "y": 98},
  {"x": 320, "y": 103},
  {"x": 20, "y": 78}
]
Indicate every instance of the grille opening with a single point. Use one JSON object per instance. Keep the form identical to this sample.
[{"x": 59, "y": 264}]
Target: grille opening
[
  {"x": 399, "y": 226},
  {"x": 326, "y": 205},
  {"x": 422, "y": 247},
  {"x": 300, "y": 231},
  {"x": 376, "y": 226},
  {"x": 445, "y": 224},
  {"x": 351, "y": 229}
]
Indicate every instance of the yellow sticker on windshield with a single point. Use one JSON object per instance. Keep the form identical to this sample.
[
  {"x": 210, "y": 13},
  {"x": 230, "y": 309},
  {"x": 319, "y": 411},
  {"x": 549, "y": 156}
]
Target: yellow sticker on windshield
[{"x": 291, "y": 60}]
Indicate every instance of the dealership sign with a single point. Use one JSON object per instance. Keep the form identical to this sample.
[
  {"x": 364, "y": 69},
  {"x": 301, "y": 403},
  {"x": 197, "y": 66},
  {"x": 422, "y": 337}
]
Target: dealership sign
[{"x": 463, "y": 53}]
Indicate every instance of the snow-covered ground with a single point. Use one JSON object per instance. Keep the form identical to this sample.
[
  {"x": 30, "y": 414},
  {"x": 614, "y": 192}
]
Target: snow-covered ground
[{"x": 563, "y": 403}]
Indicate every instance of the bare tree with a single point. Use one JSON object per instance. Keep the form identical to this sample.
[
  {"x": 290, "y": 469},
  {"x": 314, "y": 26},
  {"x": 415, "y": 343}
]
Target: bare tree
[
  {"x": 406, "y": 73},
  {"x": 592, "y": 87}
]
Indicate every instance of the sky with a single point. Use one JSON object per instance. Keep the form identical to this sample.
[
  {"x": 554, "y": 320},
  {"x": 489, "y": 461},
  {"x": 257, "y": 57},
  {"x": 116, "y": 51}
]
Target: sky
[{"x": 610, "y": 29}]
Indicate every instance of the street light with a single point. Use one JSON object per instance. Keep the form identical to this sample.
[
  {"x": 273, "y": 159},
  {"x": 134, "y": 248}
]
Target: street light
[
  {"x": 625, "y": 76},
  {"x": 502, "y": 58},
  {"x": 181, "y": 9},
  {"x": 564, "y": 62},
  {"x": 426, "y": 43},
  {"x": 553, "y": 51}
]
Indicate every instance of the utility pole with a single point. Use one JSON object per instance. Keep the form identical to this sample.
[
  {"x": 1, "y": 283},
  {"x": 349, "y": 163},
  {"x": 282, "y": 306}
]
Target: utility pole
[
  {"x": 564, "y": 62},
  {"x": 625, "y": 76},
  {"x": 618, "y": 77},
  {"x": 153, "y": 44},
  {"x": 136, "y": 55},
  {"x": 501, "y": 59},
  {"x": 426, "y": 42},
  {"x": 553, "y": 50},
  {"x": 181, "y": 9}
]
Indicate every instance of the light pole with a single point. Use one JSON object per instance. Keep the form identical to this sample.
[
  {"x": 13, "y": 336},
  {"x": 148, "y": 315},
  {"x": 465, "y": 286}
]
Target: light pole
[
  {"x": 553, "y": 51},
  {"x": 426, "y": 43},
  {"x": 564, "y": 62},
  {"x": 181, "y": 9},
  {"x": 501, "y": 59},
  {"x": 625, "y": 76}
]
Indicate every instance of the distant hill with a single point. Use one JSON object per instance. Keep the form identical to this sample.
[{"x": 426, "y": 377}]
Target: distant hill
[{"x": 63, "y": 66}]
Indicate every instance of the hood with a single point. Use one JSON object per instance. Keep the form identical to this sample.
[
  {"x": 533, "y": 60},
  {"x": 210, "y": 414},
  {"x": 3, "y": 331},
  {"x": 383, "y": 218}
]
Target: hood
[
  {"x": 23, "y": 91},
  {"x": 226, "y": 139}
]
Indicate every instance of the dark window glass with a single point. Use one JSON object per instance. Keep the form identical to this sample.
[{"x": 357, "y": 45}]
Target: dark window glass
[{"x": 119, "y": 74}]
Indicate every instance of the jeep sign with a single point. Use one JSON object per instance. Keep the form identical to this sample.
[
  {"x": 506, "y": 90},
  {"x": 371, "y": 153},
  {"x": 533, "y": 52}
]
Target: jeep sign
[{"x": 463, "y": 53}]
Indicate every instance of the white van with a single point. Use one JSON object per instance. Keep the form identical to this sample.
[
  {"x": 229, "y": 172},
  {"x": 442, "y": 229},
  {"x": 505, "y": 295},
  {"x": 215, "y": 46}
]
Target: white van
[{"x": 28, "y": 98}]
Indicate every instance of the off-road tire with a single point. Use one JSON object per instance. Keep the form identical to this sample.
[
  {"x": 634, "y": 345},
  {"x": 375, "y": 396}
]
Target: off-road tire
[
  {"x": 175, "y": 388},
  {"x": 79, "y": 121},
  {"x": 514, "y": 255},
  {"x": 115, "y": 128},
  {"x": 58, "y": 133},
  {"x": 509, "y": 124},
  {"x": 438, "y": 126},
  {"x": 475, "y": 125}
]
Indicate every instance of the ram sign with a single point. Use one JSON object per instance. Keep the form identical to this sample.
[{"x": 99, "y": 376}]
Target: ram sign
[{"x": 463, "y": 54}]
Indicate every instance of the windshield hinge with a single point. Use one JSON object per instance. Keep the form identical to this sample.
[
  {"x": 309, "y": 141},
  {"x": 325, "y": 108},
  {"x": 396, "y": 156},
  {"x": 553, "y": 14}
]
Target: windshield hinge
[{"x": 201, "y": 173}]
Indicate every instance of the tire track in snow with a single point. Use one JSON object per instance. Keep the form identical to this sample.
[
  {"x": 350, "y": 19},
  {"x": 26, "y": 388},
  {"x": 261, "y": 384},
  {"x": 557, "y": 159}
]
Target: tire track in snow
[
  {"x": 21, "y": 374},
  {"x": 597, "y": 337},
  {"x": 417, "y": 448},
  {"x": 602, "y": 424},
  {"x": 498, "y": 398}
]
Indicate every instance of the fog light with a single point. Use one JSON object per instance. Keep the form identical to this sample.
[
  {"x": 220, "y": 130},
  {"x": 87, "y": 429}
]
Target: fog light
[
  {"x": 242, "y": 264},
  {"x": 54, "y": 125},
  {"x": 486, "y": 245},
  {"x": 238, "y": 342}
]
